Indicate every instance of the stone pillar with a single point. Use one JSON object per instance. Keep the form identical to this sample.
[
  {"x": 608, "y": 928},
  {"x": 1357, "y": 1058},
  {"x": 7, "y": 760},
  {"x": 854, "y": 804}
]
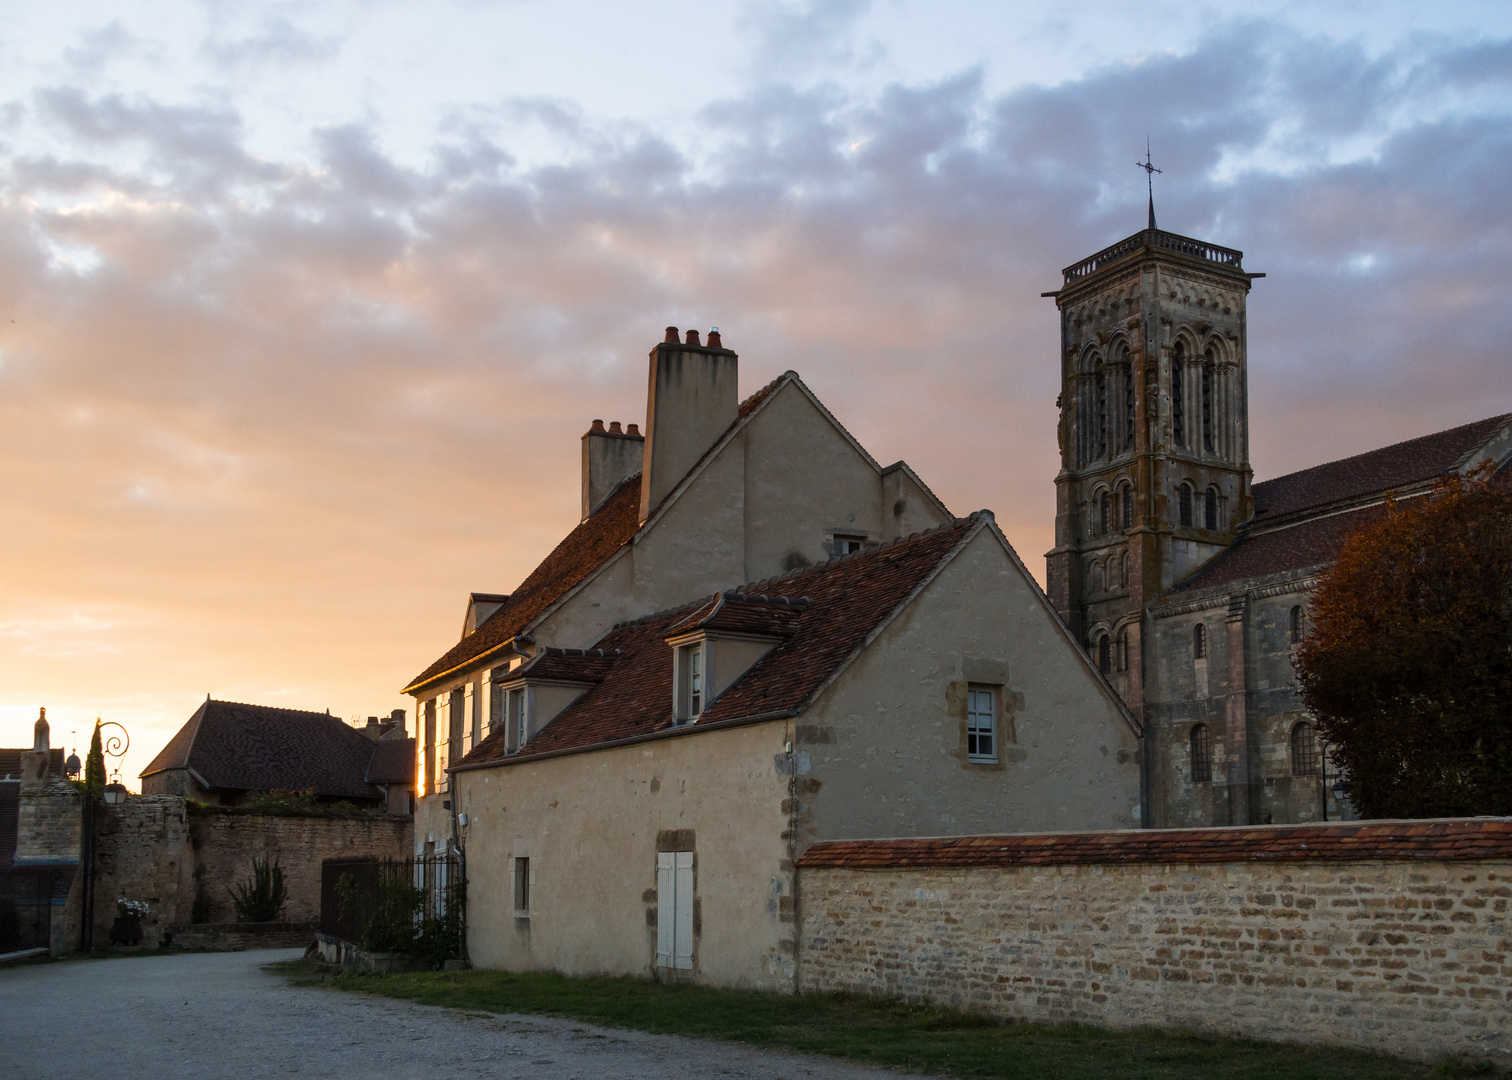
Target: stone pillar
[{"x": 1236, "y": 718}]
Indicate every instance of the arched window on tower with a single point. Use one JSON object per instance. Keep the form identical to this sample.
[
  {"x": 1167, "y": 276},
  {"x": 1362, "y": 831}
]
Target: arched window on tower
[
  {"x": 1123, "y": 569},
  {"x": 1128, "y": 384},
  {"x": 1202, "y": 754},
  {"x": 1304, "y": 750},
  {"x": 1178, "y": 406},
  {"x": 1104, "y": 512},
  {"x": 1208, "y": 367},
  {"x": 1123, "y": 649},
  {"x": 1184, "y": 505},
  {"x": 1294, "y": 625},
  {"x": 1100, "y": 384},
  {"x": 1104, "y": 654},
  {"x": 1199, "y": 642},
  {"x": 1126, "y": 505},
  {"x": 1210, "y": 509}
]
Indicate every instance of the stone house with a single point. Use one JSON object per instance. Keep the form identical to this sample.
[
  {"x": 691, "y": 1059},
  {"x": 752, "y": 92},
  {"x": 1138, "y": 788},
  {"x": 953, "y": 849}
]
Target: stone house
[
  {"x": 228, "y": 750},
  {"x": 38, "y": 853},
  {"x": 1187, "y": 583},
  {"x": 647, "y": 815},
  {"x": 717, "y": 492}
]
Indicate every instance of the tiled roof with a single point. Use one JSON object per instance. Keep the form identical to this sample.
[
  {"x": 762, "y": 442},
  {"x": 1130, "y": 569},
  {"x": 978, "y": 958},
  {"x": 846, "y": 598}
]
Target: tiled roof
[
  {"x": 743, "y": 613},
  {"x": 1459, "y": 839},
  {"x": 1389, "y": 468},
  {"x": 393, "y": 762},
  {"x": 10, "y": 761},
  {"x": 584, "y": 550},
  {"x": 1298, "y": 547},
  {"x": 566, "y": 665},
  {"x": 848, "y": 599},
  {"x": 259, "y": 748}
]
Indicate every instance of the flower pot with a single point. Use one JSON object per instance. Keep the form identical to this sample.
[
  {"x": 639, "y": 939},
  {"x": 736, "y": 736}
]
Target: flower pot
[{"x": 126, "y": 930}]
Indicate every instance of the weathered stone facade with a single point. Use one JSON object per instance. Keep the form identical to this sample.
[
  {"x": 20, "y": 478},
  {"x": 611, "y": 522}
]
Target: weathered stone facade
[{"x": 1411, "y": 956}]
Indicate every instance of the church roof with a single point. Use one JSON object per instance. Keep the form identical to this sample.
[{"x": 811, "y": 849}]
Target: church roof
[
  {"x": 586, "y": 548},
  {"x": 241, "y": 747},
  {"x": 1302, "y": 518},
  {"x": 826, "y": 614}
]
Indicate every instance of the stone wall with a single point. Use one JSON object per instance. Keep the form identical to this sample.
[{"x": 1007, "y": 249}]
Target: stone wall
[
  {"x": 226, "y": 843},
  {"x": 1394, "y": 937},
  {"x": 142, "y": 852}
]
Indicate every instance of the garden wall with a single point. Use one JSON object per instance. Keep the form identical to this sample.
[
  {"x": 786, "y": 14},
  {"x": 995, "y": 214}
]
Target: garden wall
[{"x": 1390, "y": 936}]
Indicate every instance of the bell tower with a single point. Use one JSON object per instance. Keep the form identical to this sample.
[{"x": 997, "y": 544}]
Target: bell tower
[{"x": 1154, "y": 434}]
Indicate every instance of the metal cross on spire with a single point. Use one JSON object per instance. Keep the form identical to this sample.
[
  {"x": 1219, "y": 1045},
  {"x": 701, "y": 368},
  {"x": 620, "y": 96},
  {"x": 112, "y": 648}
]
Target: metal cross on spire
[{"x": 1150, "y": 171}]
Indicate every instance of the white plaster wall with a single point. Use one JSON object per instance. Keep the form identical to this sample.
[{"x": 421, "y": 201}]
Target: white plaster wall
[{"x": 590, "y": 823}]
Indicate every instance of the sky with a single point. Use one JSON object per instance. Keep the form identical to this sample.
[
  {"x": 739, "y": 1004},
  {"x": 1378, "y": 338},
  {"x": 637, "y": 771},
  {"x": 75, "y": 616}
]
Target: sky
[{"x": 304, "y": 306}]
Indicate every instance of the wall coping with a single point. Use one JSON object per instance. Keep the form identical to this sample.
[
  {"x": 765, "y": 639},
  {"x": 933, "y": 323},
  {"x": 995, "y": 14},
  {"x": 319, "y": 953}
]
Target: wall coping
[{"x": 1443, "y": 839}]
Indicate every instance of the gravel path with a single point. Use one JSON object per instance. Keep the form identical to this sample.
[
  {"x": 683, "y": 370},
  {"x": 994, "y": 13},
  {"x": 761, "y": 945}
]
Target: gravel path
[{"x": 202, "y": 1016}]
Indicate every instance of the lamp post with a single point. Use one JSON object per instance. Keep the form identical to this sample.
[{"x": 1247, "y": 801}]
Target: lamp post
[
  {"x": 115, "y": 746},
  {"x": 1338, "y": 777}
]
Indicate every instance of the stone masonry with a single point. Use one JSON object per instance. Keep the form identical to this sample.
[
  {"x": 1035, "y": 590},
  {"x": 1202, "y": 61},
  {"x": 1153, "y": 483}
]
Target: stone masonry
[{"x": 1407, "y": 954}]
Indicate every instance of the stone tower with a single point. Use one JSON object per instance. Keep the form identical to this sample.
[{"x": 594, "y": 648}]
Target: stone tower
[{"x": 1154, "y": 435}]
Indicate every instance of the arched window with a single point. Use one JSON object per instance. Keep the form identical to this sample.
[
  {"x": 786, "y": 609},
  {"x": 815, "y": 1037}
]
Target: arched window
[
  {"x": 1123, "y": 569},
  {"x": 1178, "y": 405},
  {"x": 1304, "y": 750},
  {"x": 1199, "y": 642},
  {"x": 1294, "y": 625},
  {"x": 1210, "y": 509},
  {"x": 1104, "y": 654},
  {"x": 1184, "y": 505},
  {"x": 1202, "y": 754},
  {"x": 1096, "y": 575},
  {"x": 1126, "y": 506},
  {"x": 1123, "y": 649},
  {"x": 1100, "y": 382},
  {"x": 1104, "y": 512},
  {"x": 1207, "y": 401},
  {"x": 1128, "y": 381}
]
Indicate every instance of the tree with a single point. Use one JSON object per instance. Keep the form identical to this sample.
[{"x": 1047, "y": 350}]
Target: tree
[
  {"x": 94, "y": 766},
  {"x": 1407, "y": 667}
]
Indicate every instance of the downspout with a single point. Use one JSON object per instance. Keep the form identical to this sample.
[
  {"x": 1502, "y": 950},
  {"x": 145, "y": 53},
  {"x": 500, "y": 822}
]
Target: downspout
[{"x": 461, "y": 861}]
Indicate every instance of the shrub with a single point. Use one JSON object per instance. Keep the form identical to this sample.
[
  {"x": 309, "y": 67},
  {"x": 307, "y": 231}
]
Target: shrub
[{"x": 261, "y": 899}]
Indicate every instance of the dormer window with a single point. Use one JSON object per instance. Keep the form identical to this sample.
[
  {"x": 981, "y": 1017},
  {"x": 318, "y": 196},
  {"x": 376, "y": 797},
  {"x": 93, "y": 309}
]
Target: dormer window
[
  {"x": 517, "y": 719},
  {"x": 693, "y": 674}
]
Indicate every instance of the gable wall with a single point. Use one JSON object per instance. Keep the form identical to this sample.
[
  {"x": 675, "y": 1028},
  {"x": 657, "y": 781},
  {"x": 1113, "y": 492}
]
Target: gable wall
[{"x": 884, "y": 748}]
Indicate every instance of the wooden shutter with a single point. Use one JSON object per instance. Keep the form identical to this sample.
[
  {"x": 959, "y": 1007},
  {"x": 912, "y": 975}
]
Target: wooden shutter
[
  {"x": 683, "y": 938},
  {"x": 666, "y": 906}
]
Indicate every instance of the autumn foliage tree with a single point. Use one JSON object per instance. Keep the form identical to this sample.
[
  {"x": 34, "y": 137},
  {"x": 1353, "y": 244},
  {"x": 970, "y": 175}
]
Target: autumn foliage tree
[{"x": 1407, "y": 668}]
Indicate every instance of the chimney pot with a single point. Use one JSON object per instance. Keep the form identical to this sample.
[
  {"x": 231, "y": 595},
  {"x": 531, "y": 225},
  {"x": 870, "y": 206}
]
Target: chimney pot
[
  {"x": 614, "y": 427},
  {"x": 714, "y": 341},
  {"x": 671, "y": 338},
  {"x": 633, "y": 429},
  {"x": 692, "y": 338},
  {"x": 597, "y": 425}
]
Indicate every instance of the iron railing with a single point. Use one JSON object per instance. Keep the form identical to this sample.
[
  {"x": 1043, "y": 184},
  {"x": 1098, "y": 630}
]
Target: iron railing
[
  {"x": 414, "y": 905},
  {"x": 1154, "y": 238}
]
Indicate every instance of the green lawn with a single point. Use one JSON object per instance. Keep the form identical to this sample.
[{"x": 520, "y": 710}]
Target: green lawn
[{"x": 882, "y": 1032}]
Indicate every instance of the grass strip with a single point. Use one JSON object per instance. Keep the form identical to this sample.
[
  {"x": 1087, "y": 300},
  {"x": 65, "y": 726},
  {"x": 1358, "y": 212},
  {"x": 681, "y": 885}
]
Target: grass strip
[{"x": 881, "y": 1032}]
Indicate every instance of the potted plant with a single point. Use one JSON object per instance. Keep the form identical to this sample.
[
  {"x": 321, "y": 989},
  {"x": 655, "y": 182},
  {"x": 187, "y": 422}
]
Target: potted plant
[{"x": 127, "y": 929}]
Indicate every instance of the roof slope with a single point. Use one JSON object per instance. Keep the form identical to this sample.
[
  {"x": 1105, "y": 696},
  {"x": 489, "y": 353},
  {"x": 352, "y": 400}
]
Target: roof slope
[
  {"x": 243, "y": 747},
  {"x": 1310, "y": 543},
  {"x": 849, "y": 599},
  {"x": 1399, "y": 465},
  {"x": 393, "y": 762}
]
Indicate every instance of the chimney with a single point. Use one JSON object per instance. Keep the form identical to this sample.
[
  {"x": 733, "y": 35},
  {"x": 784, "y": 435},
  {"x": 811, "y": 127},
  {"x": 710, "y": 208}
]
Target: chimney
[
  {"x": 608, "y": 458},
  {"x": 690, "y": 400}
]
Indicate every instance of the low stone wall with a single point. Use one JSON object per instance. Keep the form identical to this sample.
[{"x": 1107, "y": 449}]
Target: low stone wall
[
  {"x": 233, "y": 937},
  {"x": 142, "y": 852},
  {"x": 1389, "y": 936}
]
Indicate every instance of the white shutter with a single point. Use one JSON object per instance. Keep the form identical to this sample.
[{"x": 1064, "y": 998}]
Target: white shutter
[
  {"x": 469, "y": 717},
  {"x": 666, "y": 906},
  {"x": 683, "y": 938}
]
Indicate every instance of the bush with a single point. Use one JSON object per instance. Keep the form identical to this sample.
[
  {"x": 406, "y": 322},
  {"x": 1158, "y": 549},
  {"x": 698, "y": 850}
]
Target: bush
[{"x": 261, "y": 899}]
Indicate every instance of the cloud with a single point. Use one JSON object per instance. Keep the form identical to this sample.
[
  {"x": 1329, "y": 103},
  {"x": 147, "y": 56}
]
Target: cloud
[{"x": 297, "y": 408}]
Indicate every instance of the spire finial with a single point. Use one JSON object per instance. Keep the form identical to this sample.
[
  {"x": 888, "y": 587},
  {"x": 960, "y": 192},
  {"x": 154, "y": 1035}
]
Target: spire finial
[{"x": 1150, "y": 171}]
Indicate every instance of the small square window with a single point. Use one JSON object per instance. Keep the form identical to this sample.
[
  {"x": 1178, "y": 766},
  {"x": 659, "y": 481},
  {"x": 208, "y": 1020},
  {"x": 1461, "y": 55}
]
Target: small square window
[
  {"x": 847, "y": 544},
  {"x": 981, "y": 724},
  {"x": 522, "y": 888}
]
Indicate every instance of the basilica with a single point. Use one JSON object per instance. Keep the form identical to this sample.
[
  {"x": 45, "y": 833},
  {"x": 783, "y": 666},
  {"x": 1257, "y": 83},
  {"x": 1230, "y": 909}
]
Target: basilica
[{"x": 1187, "y": 583}]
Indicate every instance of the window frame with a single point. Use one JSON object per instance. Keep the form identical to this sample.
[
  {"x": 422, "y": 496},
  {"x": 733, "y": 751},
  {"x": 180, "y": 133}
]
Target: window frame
[
  {"x": 1199, "y": 641},
  {"x": 1310, "y": 758},
  {"x": 676, "y": 899},
  {"x": 520, "y": 880},
  {"x": 1210, "y": 509},
  {"x": 1200, "y": 749},
  {"x": 1184, "y": 505},
  {"x": 1294, "y": 624},
  {"x": 976, "y": 733}
]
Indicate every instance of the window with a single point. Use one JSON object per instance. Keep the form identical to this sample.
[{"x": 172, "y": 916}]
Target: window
[
  {"x": 1123, "y": 650},
  {"x": 674, "y": 909},
  {"x": 1184, "y": 505},
  {"x": 1199, "y": 642},
  {"x": 1128, "y": 381},
  {"x": 1207, "y": 401},
  {"x": 1210, "y": 509},
  {"x": 981, "y": 724},
  {"x": 847, "y": 545},
  {"x": 1104, "y": 654},
  {"x": 522, "y": 888},
  {"x": 427, "y": 747},
  {"x": 1104, "y": 512},
  {"x": 1294, "y": 625},
  {"x": 1202, "y": 754},
  {"x": 1178, "y": 410},
  {"x": 495, "y": 707},
  {"x": 1123, "y": 569},
  {"x": 517, "y": 718},
  {"x": 1126, "y": 506},
  {"x": 1101, "y": 383},
  {"x": 692, "y": 675},
  {"x": 1304, "y": 750}
]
